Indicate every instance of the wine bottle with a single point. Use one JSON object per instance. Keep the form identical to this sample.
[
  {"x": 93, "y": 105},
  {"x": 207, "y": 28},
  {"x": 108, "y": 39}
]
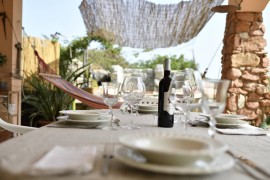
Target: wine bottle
[{"x": 165, "y": 112}]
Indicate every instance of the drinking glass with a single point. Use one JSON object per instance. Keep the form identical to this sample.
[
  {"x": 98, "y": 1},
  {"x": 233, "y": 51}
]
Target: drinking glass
[
  {"x": 110, "y": 98},
  {"x": 214, "y": 96},
  {"x": 195, "y": 98},
  {"x": 180, "y": 96},
  {"x": 132, "y": 90}
]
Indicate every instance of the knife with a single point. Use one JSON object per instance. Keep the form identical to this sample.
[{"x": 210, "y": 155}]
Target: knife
[
  {"x": 107, "y": 156},
  {"x": 249, "y": 163}
]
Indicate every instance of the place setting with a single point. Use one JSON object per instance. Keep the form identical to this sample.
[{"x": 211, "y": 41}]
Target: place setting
[
  {"x": 172, "y": 153},
  {"x": 81, "y": 119},
  {"x": 225, "y": 120},
  {"x": 232, "y": 124},
  {"x": 147, "y": 108}
]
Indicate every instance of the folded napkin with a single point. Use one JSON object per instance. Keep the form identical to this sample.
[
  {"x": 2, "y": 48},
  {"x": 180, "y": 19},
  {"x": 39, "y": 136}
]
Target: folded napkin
[
  {"x": 63, "y": 160},
  {"x": 244, "y": 130}
]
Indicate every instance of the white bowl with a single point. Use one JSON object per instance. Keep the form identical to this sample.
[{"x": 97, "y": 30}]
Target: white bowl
[
  {"x": 84, "y": 114},
  {"x": 172, "y": 148},
  {"x": 229, "y": 118},
  {"x": 148, "y": 106}
]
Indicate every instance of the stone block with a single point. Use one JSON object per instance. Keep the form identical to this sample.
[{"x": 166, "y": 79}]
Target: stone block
[
  {"x": 245, "y": 59},
  {"x": 233, "y": 74}
]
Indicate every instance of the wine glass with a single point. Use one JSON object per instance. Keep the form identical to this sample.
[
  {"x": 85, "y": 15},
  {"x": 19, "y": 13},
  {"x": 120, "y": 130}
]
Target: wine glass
[
  {"x": 180, "y": 96},
  {"x": 195, "y": 98},
  {"x": 214, "y": 95},
  {"x": 132, "y": 90},
  {"x": 110, "y": 98}
]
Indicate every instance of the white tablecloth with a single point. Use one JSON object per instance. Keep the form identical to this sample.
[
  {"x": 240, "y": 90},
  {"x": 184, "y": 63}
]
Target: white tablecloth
[{"x": 18, "y": 154}]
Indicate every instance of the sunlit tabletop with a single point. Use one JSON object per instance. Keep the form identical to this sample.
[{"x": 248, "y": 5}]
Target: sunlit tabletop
[{"x": 17, "y": 154}]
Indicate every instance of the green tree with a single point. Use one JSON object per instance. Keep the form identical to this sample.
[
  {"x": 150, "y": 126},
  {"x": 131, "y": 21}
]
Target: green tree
[{"x": 177, "y": 63}]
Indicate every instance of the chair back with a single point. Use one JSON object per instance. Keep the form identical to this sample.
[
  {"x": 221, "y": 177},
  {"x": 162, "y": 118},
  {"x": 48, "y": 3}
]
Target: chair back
[{"x": 15, "y": 128}]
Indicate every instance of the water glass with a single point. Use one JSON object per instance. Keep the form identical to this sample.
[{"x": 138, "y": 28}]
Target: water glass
[
  {"x": 132, "y": 91},
  {"x": 214, "y": 97},
  {"x": 110, "y": 98}
]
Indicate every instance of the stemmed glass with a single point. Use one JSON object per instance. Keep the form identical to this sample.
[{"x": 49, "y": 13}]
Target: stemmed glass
[
  {"x": 110, "y": 98},
  {"x": 132, "y": 90},
  {"x": 180, "y": 97},
  {"x": 214, "y": 95},
  {"x": 194, "y": 79}
]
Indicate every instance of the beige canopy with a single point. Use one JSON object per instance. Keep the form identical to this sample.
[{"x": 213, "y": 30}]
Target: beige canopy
[{"x": 142, "y": 24}]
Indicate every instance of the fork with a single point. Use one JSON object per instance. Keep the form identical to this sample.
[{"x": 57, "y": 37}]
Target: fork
[
  {"x": 107, "y": 156},
  {"x": 242, "y": 161}
]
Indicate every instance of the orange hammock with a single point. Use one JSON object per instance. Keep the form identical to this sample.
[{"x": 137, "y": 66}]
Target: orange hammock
[{"x": 89, "y": 99}]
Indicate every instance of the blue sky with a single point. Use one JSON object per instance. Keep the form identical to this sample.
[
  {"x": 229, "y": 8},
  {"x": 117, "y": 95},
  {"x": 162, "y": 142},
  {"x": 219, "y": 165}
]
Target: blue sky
[{"x": 45, "y": 17}]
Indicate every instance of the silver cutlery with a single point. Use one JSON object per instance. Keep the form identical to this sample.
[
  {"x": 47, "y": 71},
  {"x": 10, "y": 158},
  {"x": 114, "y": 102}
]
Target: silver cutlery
[
  {"x": 242, "y": 161},
  {"x": 117, "y": 122},
  {"x": 107, "y": 156}
]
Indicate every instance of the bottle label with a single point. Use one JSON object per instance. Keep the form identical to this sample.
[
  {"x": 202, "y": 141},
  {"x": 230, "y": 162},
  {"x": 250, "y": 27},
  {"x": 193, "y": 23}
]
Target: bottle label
[{"x": 167, "y": 106}]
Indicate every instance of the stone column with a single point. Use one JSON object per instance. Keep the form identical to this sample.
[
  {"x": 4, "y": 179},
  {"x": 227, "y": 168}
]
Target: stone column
[{"x": 246, "y": 64}]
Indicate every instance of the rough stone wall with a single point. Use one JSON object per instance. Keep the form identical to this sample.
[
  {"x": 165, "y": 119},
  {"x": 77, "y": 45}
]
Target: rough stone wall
[{"x": 246, "y": 64}]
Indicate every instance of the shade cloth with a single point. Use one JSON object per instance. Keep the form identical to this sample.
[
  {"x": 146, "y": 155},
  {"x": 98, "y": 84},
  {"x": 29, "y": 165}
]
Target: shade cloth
[{"x": 142, "y": 24}]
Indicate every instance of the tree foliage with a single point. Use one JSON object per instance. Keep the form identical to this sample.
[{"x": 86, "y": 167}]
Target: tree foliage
[{"x": 177, "y": 63}]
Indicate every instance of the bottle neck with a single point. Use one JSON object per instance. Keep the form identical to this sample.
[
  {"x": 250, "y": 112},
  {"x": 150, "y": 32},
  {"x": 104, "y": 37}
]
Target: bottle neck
[{"x": 167, "y": 73}]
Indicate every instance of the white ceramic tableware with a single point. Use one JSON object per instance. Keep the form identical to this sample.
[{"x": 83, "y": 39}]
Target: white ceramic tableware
[
  {"x": 229, "y": 118},
  {"x": 84, "y": 114},
  {"x": 172, "y": 148},
  {"x": 148, "y": 106},
  {"x": 201, "y": 167},
  {"x": 237, "y": 124}
]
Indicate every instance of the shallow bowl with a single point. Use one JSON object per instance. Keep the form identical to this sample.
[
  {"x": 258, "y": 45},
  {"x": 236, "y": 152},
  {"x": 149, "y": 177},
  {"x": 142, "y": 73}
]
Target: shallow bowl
[
  {"x": 229, "y": 118},
  {"x": 172, "y": 148}
]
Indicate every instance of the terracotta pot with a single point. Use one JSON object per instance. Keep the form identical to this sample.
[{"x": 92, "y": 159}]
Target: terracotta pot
[{"x": 43, "y": 122}]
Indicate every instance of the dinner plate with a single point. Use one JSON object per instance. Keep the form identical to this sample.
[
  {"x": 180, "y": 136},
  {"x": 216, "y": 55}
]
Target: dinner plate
[
  {"x": 148, "y": 106},
  {"x": 226, "y": 117},
  {"x": 93, "y": 123},
  {"x": 84, "y": 114},
  {"x": 147, "y": 111},
  {"x": 238, "y": 123},
  {"x": 133, "y": 159}
]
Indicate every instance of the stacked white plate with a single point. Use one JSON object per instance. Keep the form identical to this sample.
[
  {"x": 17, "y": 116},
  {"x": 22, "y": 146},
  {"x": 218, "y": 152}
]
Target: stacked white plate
[
  {"x": 147, "y": 108},
  {"x": 172, "y": 153},
  {"x": 228, "y": 120},
  {"x": 89, "y": 117}
]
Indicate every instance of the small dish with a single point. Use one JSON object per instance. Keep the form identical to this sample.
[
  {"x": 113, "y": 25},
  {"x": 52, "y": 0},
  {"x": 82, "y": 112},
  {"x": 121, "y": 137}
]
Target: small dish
[
  {"x": 84, "y": 114},
  {"x": 177, "y": 149}
]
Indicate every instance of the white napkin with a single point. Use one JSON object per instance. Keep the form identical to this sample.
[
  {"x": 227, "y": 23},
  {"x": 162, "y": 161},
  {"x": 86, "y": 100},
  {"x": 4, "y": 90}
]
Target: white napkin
[
  {"x": 243, "y": 130},
  {"x": 62, "y": 160}
]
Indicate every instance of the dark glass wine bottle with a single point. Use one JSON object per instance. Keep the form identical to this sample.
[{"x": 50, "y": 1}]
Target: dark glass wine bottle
[{"x": 165, "y": 115}]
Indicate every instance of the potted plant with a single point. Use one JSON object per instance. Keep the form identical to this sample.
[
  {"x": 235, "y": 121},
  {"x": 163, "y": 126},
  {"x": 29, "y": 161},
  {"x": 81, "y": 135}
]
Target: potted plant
[{"x": 44, "y": 99}]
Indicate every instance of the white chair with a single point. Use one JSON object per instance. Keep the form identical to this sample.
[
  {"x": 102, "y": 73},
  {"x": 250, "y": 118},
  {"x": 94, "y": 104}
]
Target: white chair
[{"x": 15, "y": 128}]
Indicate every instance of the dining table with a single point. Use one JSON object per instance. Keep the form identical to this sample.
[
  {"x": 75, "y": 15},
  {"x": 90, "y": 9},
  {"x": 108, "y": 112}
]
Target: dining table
[{"x": 18, "y": 154}]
